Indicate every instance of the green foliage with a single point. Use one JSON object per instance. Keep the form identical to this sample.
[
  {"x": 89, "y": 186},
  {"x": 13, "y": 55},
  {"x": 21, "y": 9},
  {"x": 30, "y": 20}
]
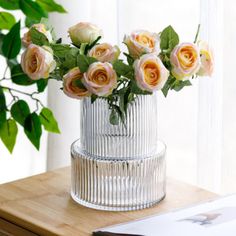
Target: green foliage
[
  {"x": 48, "y": 120},
  {"x": 11, "y": 44},
  {"x": 8, "y": 134},
  {"x": 9, "y": 4},
  {"x": 123, "y": 70},
  {"x": 7, "y": 20},
  {"x": 174, "y": 84},
  {"x": 19, "y": 77},
  {"x": 42, "y": 85},
  {"x": 19, "y": 111},
  {"x": 32, "y": 9},
  {"x": 114, "y": 117},
  {"x": 84, "y": 62},
  {"x": 51, "y": 6},
  {"x": 33, "y": 129},
  {"x": 3, "y": 108},
  {"x": 169, "y": 39},
  {"x": 38, "y": 38}
]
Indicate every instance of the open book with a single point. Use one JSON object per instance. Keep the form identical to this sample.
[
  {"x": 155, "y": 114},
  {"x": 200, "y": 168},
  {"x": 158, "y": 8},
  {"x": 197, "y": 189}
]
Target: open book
[{"x": 213, "y": 218}]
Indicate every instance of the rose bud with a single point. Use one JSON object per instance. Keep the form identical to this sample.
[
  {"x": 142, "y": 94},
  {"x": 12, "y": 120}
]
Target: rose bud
[{"x": 84, "y": 32}]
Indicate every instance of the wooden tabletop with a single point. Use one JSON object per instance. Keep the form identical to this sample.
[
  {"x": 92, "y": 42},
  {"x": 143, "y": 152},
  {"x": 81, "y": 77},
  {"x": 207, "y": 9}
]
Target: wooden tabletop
[{"x": 42, "y": 204}]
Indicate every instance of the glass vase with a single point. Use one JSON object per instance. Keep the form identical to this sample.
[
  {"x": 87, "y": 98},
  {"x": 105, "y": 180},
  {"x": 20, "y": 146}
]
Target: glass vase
[{"x": 118, "y": 167}]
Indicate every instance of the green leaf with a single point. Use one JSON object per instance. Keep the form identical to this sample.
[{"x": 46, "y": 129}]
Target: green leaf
[
  {"x": 123, "y": 70},
  {"x": 9, "y": 4},
  {"x": 12, "y": 62},
  {"x": 41, "y": 85},
  {"x": 48, "y": 120},
  {"x": 19, "y": 111},
  {"x": 38, "y": 38},
  {"x": 12, "y": 42},
  {"x": 84, "y": 62},
  {"x": 3, "y": 108},
  {"x": 32, "y": 9},
  {"x": 130, "y": 59},
  {"x": 78, "y": 83},
  {"x": 91, "y": 45},
  {"x": 169, "y": 39},
  {"x": 114, "y": 117},
  {"x": 33, "y": 129},
  {"x": 93, "y": 98},
  {"x": 171, "y": 80},
  {"x": 8, "y": 133},
  {"x": 19, "y": 77},
  {"x": 180, "y": 84},
  {"x": 1, "y": 40},
  {"x": 51, "y": 6},
  {"x": 7, "y": 20},
  {"x": 60, "y": 50},
  {"x": 29, "y": 22}
]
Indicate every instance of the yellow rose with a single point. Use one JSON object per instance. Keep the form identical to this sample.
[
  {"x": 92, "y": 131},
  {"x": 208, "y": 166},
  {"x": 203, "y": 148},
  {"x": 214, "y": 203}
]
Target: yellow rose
[
  {"x": 185, "y": 60},
  {"x": 84, "y": 32},
  {"x": 150, "y": 73},
  {"x": 37, "y": 62},
  {"x": 104, "y": 52},
  {"x": 73, "y": 86},
  {"x": 207, "y": 60},
  {"x": 141, "y": 42},
  {"x": 26, "y": 40},
  {"x": 100, "y": 79}
]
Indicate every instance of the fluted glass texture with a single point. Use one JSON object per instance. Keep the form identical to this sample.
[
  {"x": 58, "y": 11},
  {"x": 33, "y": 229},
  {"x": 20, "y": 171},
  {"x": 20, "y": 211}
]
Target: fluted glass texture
[
  {"x": 118, "y": 167},
  {"x": 137, "y": 137}
]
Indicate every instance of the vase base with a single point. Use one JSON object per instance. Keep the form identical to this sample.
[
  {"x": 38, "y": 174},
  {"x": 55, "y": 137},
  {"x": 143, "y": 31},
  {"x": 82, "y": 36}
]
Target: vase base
[
  {"x": 112, "y": 184},
  {"x": 115, "y": 208}
]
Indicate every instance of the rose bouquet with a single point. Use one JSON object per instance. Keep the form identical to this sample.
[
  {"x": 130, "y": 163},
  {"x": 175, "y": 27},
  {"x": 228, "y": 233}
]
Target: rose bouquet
[{"x": 90, "y": 68}]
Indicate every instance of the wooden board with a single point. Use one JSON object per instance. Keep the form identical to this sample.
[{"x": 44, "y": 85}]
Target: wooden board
[{"x": 42, "y": 204}]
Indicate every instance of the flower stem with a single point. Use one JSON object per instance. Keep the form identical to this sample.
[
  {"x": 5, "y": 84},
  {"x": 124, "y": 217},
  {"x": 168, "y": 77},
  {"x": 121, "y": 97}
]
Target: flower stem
[{"x": 198, "y": 30}]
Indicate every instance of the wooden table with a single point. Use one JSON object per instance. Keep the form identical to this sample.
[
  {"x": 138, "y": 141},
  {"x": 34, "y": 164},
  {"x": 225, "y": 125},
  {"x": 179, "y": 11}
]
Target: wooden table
[{"x": 41, "y": 205}]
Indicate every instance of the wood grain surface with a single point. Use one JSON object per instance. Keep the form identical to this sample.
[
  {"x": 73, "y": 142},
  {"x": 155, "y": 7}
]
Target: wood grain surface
[{"x": 42, "y": 204}]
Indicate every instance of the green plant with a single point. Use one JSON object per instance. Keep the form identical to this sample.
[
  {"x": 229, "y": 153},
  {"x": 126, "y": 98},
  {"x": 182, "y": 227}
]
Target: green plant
[{"x": 14, "y": 109}]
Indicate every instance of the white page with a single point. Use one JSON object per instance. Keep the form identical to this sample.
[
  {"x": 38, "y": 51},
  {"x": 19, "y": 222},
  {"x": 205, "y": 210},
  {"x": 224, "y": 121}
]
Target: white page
[{"x": 214, "y": 218}]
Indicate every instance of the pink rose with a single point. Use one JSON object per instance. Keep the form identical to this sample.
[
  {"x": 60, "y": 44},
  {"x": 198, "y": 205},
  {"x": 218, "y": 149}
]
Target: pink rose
[
  {"x": 141, "y": 42},
  {"x": 100, "y": 79},
  {"x": 73, "y": 86},
  {"x": 104, "y": 52},
  {"x": 207, "y": 60},
  {"x": 150, "y": 73},
  {"x": 185, "y": 60},
  {"x": 37, "y": 62}
]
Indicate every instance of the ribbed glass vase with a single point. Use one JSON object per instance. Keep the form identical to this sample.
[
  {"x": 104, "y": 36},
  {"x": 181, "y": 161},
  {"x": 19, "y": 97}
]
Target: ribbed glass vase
[{"x": 118, "y": 167}]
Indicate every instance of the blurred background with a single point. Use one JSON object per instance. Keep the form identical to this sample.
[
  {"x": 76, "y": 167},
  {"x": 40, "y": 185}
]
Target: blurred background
[{"x": 198, "y": 124}]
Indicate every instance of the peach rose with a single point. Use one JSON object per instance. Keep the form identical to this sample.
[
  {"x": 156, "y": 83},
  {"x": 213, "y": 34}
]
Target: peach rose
[
  {"x": 26, "y": 40},
  {"x": 150, "y": 73},
  {"x": 100, "y": 79},
  {"x": 104, "y": 52},
  {"x": 37, "y": 62},
  {"x": 207, "y": 60},
  {"x": 84, "y": 32},
  {"x": 185, "y": 60},
  {"x": 73, "y": 86},
  {"x": 141, "y": 42}
]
